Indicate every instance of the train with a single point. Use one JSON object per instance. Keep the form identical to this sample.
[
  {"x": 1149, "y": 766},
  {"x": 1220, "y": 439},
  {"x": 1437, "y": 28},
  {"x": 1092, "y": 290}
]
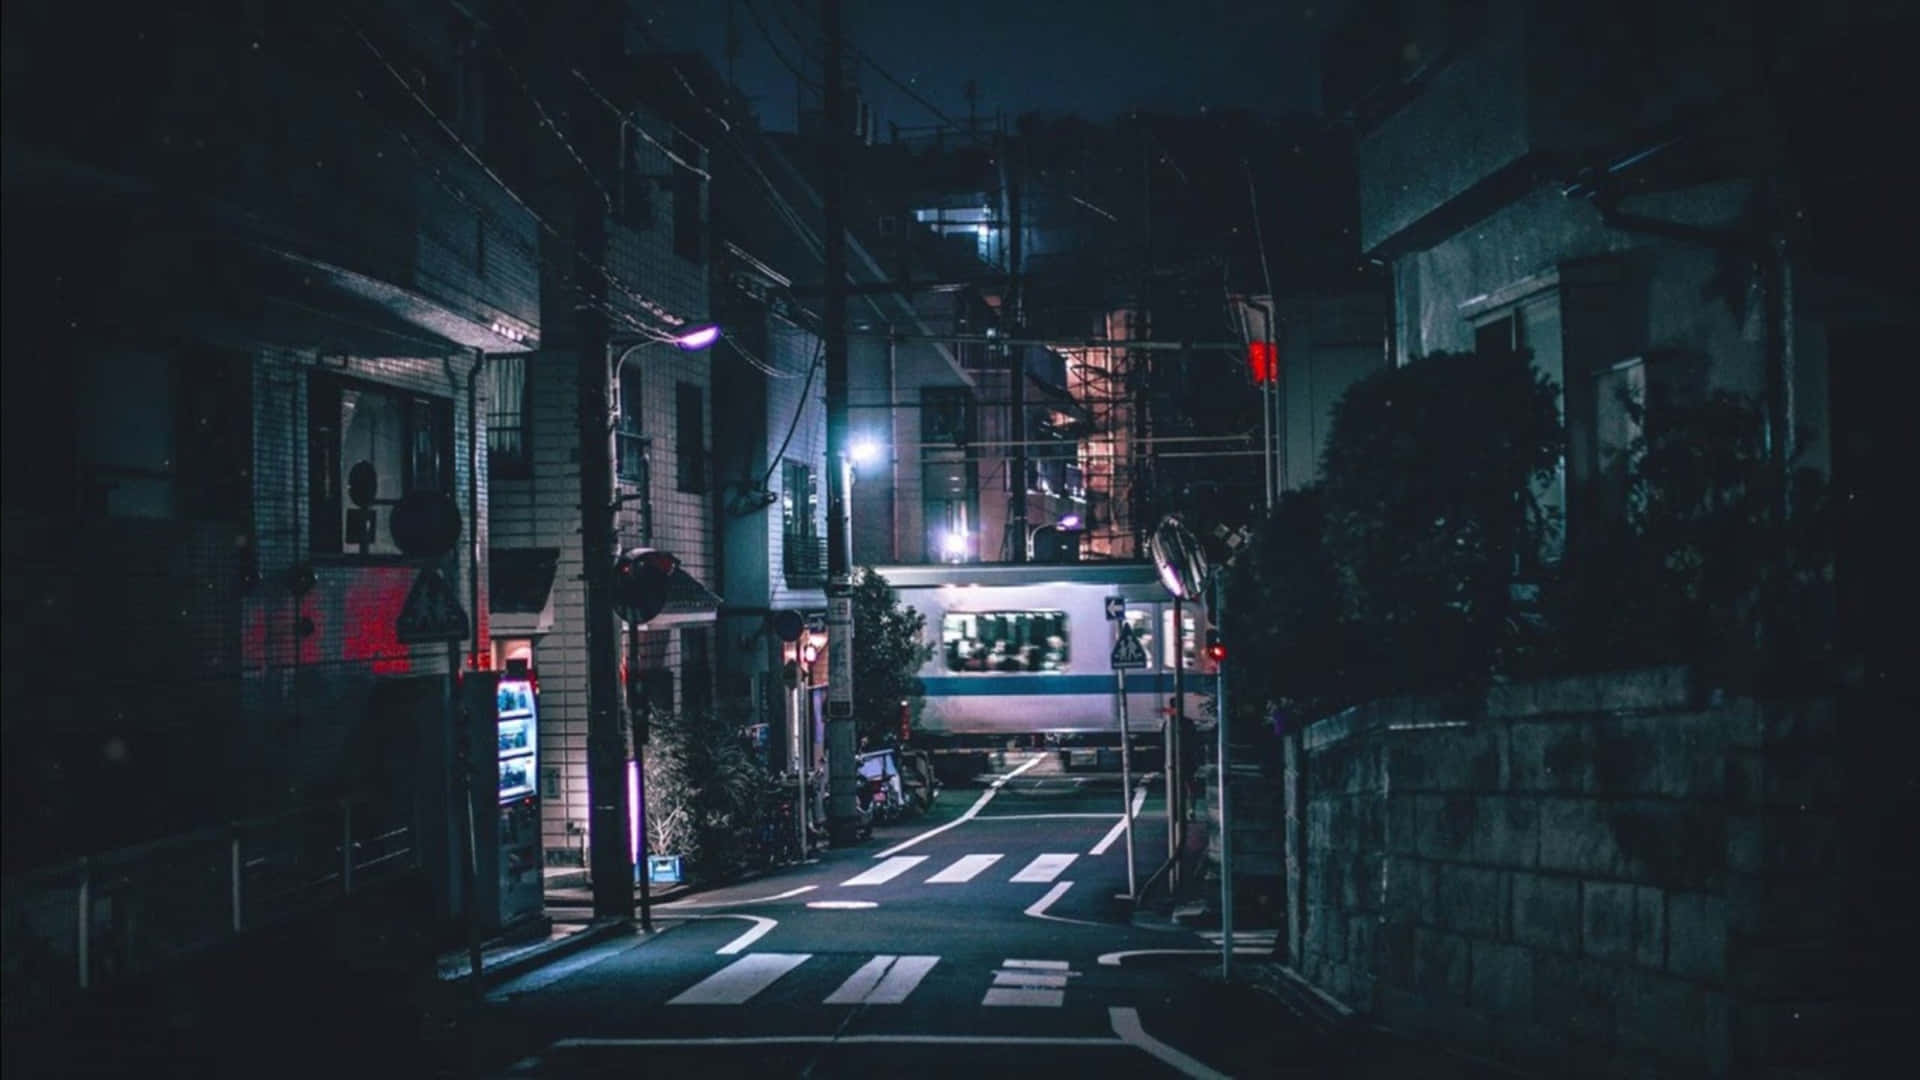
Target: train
[{"x": 1025, "y": 650}]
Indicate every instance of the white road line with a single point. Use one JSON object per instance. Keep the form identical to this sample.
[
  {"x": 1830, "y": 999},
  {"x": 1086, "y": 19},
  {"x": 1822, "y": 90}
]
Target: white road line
[
  {"x": 1113, "y": 959},
  {"x": 1039, "y": 817},
  {"x": 841, "y": 905},
  {"x": 1126, "y": 1024},
  {"x": 1113, "y": 834},
  {"x": 1051, "y": 979},
  {"x": 964, "y": 869},
  {"x": 1042, "y": 965},
  {"x": 740, "y": 980},
  {"x": 985, "y": 797},
  {"x": 1038, "y": 909},
  {"x": 1002, "y": 995},
  {"x": 860, "y": 983},
  {"x": 1044, "y": 868},
  {"x": 901, "y": 978},
  {"x": 886, "y": 871},
  {"x": 789, "y": 894},
  {"x": 761, "y": 926},
  {"x": 883, "y": 980},
  {"x": 587, "y": 1041}
]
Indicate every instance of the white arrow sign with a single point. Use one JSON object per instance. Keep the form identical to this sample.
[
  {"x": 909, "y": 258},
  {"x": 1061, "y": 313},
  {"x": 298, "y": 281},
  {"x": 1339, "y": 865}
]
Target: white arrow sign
[{"x": 1116, "y": 608}]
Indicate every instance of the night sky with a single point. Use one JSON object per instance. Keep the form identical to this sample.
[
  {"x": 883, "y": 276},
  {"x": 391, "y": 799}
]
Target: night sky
[{"x": 1092, "y": 58}]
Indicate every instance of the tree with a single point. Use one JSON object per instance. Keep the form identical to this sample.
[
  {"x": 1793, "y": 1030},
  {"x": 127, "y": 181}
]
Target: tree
[{"x": 888, "y": 651}]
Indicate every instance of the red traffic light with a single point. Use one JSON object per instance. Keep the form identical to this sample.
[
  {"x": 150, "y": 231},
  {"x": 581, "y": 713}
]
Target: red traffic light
[
  {"x": 1216, "y": 649},
  {"x": 1263, "y": 362}
]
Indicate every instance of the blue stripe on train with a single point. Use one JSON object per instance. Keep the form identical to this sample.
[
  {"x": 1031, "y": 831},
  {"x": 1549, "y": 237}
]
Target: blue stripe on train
[{"x": 1038, "y": 683}]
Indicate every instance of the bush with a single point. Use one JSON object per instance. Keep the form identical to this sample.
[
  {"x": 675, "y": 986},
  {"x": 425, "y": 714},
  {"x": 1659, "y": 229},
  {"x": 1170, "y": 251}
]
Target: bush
[
  {"x": 1429, "y": 509},
  {"x": 888, "y": 651},
  {"x": 703, "y": 792},
  {"x": 1704, "y": 567}
]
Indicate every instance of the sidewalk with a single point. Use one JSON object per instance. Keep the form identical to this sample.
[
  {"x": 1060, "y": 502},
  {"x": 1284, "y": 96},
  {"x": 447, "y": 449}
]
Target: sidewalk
[{"x": 1264, "y": 997}]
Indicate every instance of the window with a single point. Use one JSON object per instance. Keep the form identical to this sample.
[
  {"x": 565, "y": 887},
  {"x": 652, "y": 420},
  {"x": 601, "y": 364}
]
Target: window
[
  {"x": 369, "y": 445},
  {"x": 690, "y": 437},
  {"x": 802, "y": 555},
  {"x": 1533, "y": 325},
  {"x": 1189, "y": 655},
  {"x": 946, "y": 415},
  {"x": 630, "y": 427},
  {"x": 696, "y": 668},
  {"x": 635, "y": 197},
  {"x": 509, "y": 438},
  {"x": 689, "y": 216},
  {"x": 1004, "y": 640}
]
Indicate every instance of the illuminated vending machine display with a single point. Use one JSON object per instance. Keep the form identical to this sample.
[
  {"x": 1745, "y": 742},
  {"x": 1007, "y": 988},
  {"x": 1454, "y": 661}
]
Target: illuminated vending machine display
[
  {"x": 504, "y": 742},
  {"x": 520, "y": 871}
]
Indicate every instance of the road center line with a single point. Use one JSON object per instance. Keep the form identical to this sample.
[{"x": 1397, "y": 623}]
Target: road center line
[
  {"x": 985, "y": 797},
  {"x": 1113, "y": 959},
  {"x": 1040, "y": 817},
  {"x": 1126, "y": 1024}
]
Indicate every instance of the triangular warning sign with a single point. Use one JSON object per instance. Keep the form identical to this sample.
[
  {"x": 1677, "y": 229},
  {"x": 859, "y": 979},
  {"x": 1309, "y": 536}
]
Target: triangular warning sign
[
  {"x": 432, "y": 613},
  {"x": 1128, "y": 652}
]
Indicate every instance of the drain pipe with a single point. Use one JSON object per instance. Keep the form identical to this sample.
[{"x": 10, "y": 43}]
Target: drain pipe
[{"x": 473, "y": 497}]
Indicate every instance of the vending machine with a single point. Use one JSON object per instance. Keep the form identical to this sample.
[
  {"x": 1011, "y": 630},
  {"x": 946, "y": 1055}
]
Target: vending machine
[{"x": 510, "y": 864}]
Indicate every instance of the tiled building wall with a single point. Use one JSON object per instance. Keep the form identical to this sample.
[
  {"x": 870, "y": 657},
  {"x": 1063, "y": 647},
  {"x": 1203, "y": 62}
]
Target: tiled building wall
[
  {"x": 305, "y": 695},
  {"x": 647, "y": 283}
]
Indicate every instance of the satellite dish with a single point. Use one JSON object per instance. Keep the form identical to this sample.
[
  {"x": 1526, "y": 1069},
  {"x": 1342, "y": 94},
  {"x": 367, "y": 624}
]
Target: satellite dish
[{"x": 1179, "y": 557}]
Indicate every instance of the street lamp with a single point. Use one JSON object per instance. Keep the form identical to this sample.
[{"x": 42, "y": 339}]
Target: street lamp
[
  {"x": 954, "y": 545},
  {"x": 699, "y": 338},
  {"x": 1068, "y": 523},
  {"x": 865, "y": 451}
]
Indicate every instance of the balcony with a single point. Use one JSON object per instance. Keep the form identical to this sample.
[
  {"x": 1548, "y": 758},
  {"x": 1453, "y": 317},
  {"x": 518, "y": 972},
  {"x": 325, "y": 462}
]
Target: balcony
[{"x": 803, "y": 561}]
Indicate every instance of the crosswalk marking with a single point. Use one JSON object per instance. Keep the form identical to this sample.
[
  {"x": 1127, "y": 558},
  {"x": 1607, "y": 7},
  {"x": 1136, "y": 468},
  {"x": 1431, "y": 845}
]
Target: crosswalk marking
[
  {"x": 1029, "y": 978},
  {"x": 964, "y": 869},
  {"x": 883, "y": 980},
  {"x": 740, "y": 980},
  {"x": 1001, "y": 995},
  {"x": 1030, "y": 983},
  {"x": 1044, "y": 868},
  {"x": 886, "y": 871}
]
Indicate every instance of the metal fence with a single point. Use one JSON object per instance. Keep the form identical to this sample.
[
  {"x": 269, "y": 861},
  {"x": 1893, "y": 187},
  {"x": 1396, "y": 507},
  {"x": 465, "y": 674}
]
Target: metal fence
[{"x": 103, "y": 918}]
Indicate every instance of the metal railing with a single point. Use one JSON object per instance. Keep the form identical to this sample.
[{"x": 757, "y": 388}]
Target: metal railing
[
  {"x": 803, "y": 560},
  {"x": 102, "y": 918}
]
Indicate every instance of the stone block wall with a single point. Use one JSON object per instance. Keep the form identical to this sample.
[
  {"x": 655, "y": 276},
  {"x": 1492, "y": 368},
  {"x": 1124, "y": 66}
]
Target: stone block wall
[{"x": 1597, "y": 875}]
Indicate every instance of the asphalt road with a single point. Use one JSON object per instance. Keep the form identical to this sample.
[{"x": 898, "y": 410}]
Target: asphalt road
[{"x": 985, "y": 938}]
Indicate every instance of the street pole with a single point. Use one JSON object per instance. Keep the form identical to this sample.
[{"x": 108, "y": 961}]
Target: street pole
[
  {"x": 1126, "y": 781},
  {"x": 842, "y": 806},
  {"x": 610, "y": 860},
  {"x": 1220, "y": 715},
  {"x": 634, "y": 705},
  {"x": 1176, "y": 787}
]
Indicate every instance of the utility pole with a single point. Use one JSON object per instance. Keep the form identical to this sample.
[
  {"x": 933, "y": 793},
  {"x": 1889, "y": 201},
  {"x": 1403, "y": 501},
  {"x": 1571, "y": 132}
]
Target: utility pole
[
  {"x": 1016, "y": 356},
  {"x": 610, "y": 861},
  {"x": 842, "y": 806}
]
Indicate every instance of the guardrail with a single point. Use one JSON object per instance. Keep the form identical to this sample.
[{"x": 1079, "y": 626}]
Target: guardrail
[{"x": 98, "y": 919}]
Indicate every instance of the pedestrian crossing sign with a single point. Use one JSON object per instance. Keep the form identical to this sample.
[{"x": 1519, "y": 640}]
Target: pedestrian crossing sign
[{"x": 1127, "y": 651}]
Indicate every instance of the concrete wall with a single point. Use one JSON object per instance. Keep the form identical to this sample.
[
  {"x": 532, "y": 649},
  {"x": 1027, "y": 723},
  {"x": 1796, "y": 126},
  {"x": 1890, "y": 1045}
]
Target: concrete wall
[{"x": 1595, "y": 875}]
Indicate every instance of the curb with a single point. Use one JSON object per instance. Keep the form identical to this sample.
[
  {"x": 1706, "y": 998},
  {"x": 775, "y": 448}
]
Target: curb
[{"x": 536, "y": 956}]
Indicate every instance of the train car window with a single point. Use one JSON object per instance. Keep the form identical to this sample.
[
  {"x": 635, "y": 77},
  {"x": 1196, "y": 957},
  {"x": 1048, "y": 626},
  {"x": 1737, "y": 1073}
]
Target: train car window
[
  {"x": 1004, "y": 640},
  {"x": 1190, "y": 655},
  {"x": 1142, "y": 625}
]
